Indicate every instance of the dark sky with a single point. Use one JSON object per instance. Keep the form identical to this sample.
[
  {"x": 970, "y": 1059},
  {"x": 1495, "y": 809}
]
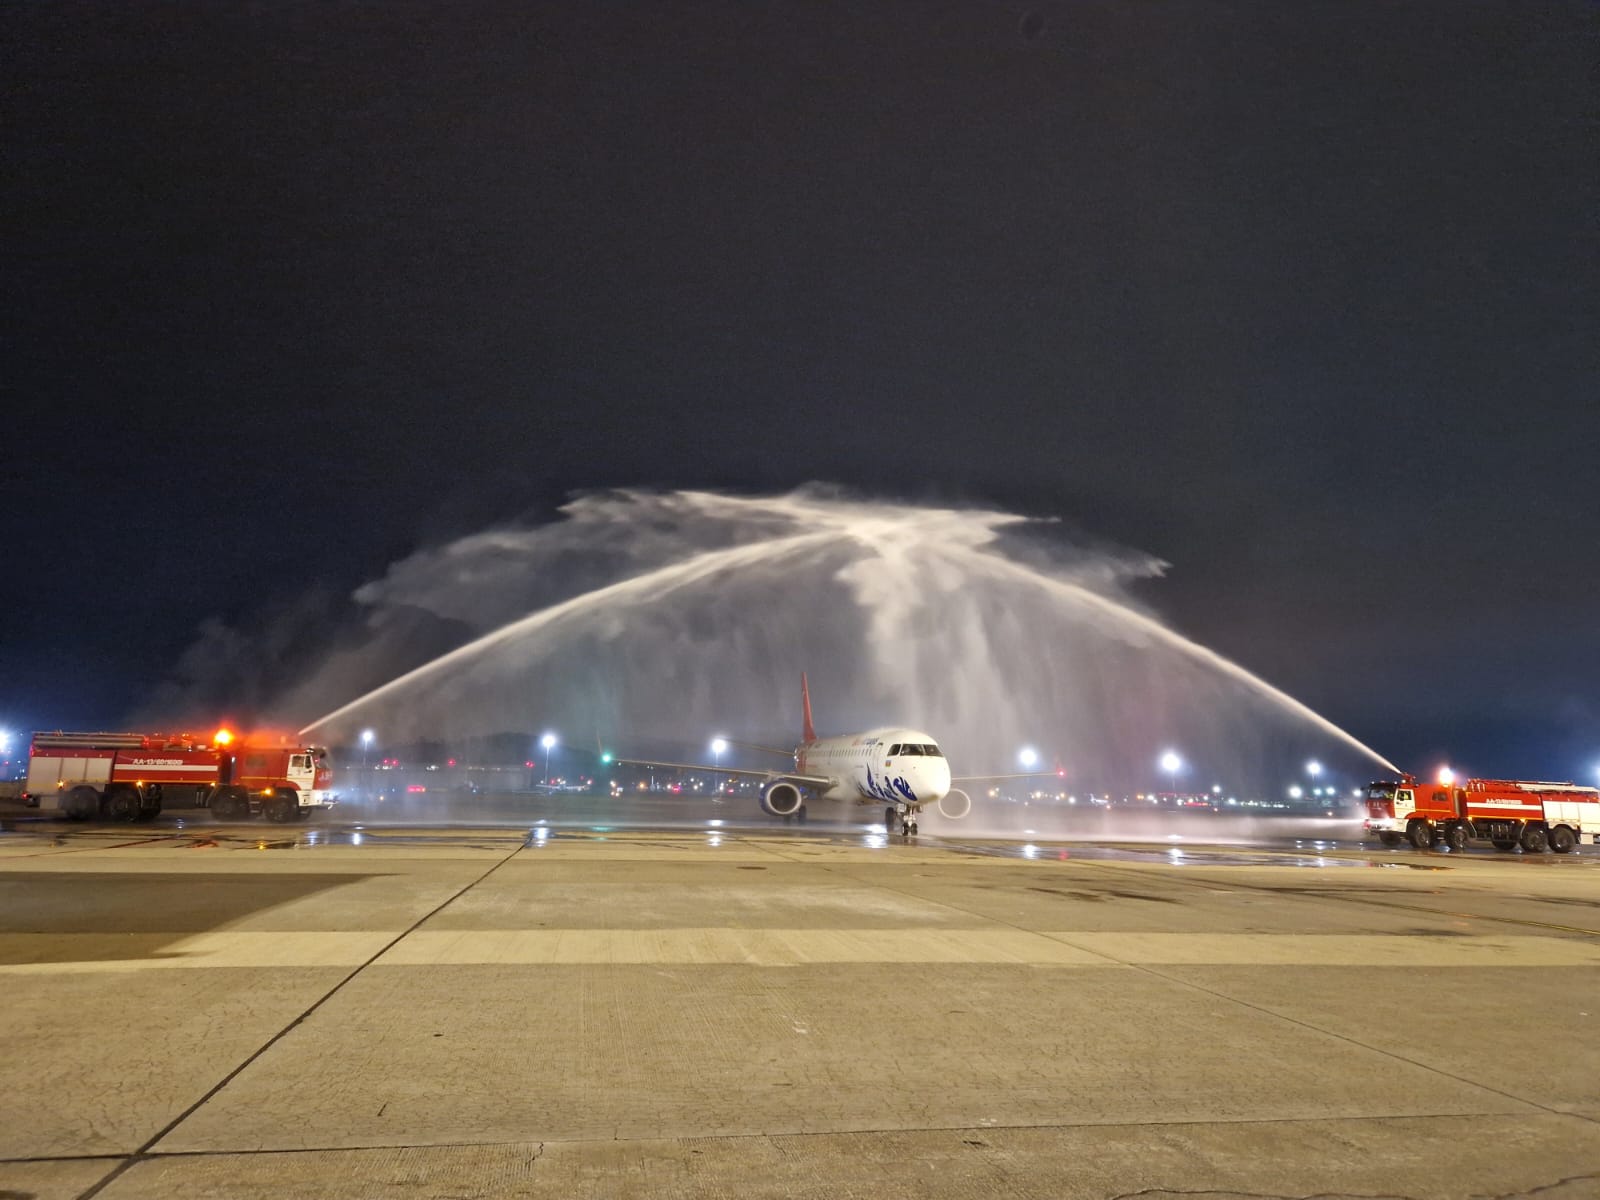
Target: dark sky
[{"x": 1300, "y": 297}]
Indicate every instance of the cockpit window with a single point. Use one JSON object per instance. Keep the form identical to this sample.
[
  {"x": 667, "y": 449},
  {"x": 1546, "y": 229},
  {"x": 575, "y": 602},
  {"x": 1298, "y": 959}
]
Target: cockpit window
[{"x": 932, "y": 751}]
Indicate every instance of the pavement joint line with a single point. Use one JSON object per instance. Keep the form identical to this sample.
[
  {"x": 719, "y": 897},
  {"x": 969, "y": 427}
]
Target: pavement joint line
[
  {"x": 263, "y": 1151},
  {"x": 1185, "y": 983},
  {"x": 58, "y": 851},
  {"x": 143, "y": 1150}
]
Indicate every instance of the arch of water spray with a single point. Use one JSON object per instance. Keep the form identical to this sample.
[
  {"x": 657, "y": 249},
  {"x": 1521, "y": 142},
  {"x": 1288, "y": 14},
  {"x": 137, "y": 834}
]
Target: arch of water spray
[{"x": 707, "y": 606}]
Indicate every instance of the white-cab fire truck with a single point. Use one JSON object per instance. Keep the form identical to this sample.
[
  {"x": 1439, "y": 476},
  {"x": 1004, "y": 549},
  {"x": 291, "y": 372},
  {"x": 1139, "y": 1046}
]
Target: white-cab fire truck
[{"x": 132, "y": 776}]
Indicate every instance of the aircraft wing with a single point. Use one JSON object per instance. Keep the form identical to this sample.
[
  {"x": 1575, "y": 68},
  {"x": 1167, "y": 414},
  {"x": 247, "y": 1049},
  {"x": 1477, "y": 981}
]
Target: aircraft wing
[
  {"x": 991, "y": 778},
  {"x": 818, "y": 782}
]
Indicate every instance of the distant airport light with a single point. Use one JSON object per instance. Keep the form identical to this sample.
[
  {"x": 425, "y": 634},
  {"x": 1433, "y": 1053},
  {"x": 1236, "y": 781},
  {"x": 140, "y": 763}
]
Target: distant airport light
[
  {"x": 1216, "y": 789},
  {"x": 719, "y": 746},
  {"x": 367, "y": 737},
  {"x": 1171, "y": 763},
  {"x": 1294, "y": 791},
  {"x": 1446, "y": 776},
  {"x": 1028, "y": 757},
  {"x": 608, "y": 758},
  {"x": 1313, "y": 768}
]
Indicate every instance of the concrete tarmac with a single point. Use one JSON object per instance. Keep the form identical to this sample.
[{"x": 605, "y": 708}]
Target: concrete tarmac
[{"x": 559, "y": 1010}]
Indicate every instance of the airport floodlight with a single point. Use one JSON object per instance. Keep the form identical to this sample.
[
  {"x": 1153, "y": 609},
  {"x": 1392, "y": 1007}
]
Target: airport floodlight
[
  {"x": 1294, "y": 791},
  {"x": 1171, "y": 763},
  {"x": 5, "y": 740},
  {"x": 548, "y": 741},
  {"x": 719, "y": 746},
  {"x": 1446, "y": 776},
  {"x": 1216, "y": 789},
  {"x": 367, "y": 738},
  {"x": 1028, "y": 757},
  {"x": 1313, "y": 768}
]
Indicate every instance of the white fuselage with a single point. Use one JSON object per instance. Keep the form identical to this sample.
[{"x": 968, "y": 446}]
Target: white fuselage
[{"x": 881, "y": 766}]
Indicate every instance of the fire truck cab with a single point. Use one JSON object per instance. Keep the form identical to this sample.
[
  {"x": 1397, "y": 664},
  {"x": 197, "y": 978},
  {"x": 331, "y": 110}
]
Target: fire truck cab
[{"x": 1508, "y": 813}]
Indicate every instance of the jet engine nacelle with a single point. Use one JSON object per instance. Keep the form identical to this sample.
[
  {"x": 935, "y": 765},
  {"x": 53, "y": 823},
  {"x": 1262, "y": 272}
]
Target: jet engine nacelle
[
  {"x": 955, "y": 804},
  {"x": 780, "y": 799}
]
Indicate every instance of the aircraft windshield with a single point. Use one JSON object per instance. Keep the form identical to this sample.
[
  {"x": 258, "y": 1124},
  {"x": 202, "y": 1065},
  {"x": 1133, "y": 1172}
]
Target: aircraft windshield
[{"x": 926, "y": 749}]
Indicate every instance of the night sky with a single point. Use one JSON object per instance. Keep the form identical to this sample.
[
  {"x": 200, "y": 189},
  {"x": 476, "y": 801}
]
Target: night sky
[{"x": 1299, "y": 296}]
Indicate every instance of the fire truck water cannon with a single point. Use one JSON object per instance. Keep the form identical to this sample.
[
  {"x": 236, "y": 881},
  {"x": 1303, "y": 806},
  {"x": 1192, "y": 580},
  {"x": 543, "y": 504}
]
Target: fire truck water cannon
[
  {"x": 1508, "y": 813},
  {"x": 134, "y": 776}
]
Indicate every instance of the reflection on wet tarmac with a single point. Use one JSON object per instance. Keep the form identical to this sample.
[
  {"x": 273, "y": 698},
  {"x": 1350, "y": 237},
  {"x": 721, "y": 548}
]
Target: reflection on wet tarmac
[{"x": 537, "y": 822}]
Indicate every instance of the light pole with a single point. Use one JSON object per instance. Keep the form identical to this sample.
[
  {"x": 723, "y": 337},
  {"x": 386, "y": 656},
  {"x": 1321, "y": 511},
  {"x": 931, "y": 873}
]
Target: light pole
[
  {"x": 548, "y": 741},
  {"x": 719, "y": 746},
  {"x": 1171, "y": 764},
  {"x": 367, "y": 737}
]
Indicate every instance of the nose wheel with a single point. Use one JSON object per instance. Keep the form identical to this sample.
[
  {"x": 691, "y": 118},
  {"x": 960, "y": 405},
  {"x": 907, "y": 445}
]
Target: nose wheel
[{"x": 903, "y": 817}]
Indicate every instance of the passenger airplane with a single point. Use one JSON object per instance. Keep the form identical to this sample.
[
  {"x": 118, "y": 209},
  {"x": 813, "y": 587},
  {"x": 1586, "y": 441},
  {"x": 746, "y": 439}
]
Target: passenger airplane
[{"x": 902, "y": 769}]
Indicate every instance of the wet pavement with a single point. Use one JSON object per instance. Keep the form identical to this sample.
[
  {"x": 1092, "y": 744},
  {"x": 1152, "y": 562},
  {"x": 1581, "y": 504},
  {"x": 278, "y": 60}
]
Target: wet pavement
[{"x": 592, "y": 1002}]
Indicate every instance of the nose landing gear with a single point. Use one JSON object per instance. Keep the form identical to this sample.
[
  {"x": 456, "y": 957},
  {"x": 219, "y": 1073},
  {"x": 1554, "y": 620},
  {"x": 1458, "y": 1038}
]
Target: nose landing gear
[{"x": 902, "y": 816}]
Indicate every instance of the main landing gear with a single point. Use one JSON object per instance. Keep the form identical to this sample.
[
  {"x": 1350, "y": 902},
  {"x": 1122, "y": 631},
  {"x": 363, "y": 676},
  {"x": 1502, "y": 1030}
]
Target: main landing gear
[{"x": 902, "y": 816}]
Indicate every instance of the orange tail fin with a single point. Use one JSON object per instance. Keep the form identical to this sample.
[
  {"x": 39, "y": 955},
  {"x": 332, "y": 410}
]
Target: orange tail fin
[{"x": 810, "y": 732}]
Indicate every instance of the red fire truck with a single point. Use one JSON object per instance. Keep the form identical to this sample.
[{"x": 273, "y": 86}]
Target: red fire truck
[
  {"x": 132, "y": 776},
  {"x": 1507, "y": 812}
]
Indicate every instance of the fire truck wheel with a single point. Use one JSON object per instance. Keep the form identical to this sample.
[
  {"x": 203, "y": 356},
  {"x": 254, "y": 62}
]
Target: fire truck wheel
[
  {"x": 1535, "y": 840},
  {"x": 82, "y": 804},
  {"x": 230, "y": 805},
  {"x": 1562, "y": 840},
  {"x": 1505, "y": 844},
  {"x": 1419, "y": 835},
  {"x": 1455, "y": 837},
  {"x": 122, "y": 804},
  {"x": 280, "y": 809}
]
